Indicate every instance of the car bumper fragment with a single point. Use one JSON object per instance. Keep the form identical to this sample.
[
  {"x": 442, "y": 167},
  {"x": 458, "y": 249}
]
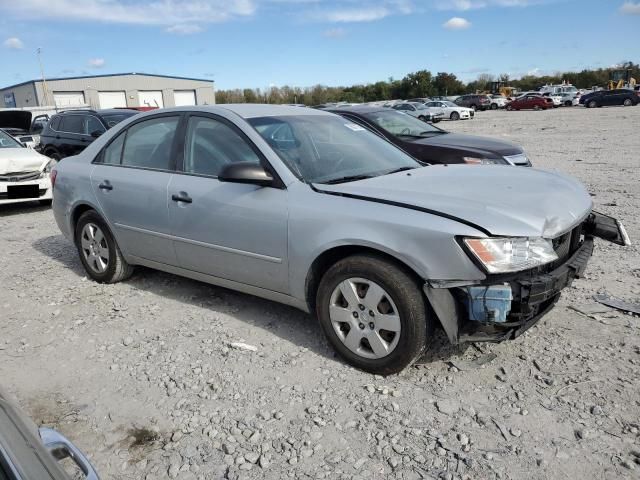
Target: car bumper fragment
[{"x": 467, "y": 316}]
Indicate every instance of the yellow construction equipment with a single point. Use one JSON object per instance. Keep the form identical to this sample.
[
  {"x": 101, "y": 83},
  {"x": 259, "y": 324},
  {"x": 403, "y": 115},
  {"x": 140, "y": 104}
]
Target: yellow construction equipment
[{"x": 621, "y": 79}]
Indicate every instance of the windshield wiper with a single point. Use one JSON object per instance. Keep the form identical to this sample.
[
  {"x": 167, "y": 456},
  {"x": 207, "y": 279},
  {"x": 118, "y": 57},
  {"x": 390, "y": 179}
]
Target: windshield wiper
[
  {"x": 398, "y": 170},
  {"x": 432, "y": 131},
  {"x": 348, "y": 178}
]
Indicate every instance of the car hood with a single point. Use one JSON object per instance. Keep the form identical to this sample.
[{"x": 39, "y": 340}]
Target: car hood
[
  {"x": 471, "y": 142},
  {"x": 505, "y": 201},
  {"x": 19, "y": 119},
  {"x": 17, "y": 160}
]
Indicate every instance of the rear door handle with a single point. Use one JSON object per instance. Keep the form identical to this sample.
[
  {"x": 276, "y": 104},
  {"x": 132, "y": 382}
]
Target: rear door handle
[
  {"x": 106, "y": 185},
  {"x": 182, "y": 197}
]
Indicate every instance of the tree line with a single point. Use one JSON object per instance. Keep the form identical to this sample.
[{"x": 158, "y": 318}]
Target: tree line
[{"x": 414, "y": 85}]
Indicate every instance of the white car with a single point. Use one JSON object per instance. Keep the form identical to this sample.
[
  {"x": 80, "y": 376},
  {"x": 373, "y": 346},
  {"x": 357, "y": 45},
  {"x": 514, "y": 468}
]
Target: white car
[
  {"x": 24, "y": 173},
  {"x": 569, "y": 99},
  {"x": 557, "y": 99},
  {"x": 453, "y": 111},
  {"x": 421, "y": 111},
  {"x": 498, "y": 101}
]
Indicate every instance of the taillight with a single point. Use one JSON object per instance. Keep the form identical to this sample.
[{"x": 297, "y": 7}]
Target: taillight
[{"x": 52, "y": 176}]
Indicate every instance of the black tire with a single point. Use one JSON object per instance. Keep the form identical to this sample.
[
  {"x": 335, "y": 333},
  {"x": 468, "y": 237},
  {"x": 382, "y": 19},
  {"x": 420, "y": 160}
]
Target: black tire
[
  {"x": 510, "y": 108},
  {"x": 53, "y": 154},
  {"x": 454, "y": 116},
  {"x": 536, "y": 107},
  {"x": 592, "y": 104},
  {"x": 494, "y": 106},
  {"x": 416, "y": 322},
  {"x": 627, "y": 102},
  {"x": 568, "y": 103},
  {"x": 117, "y": 267},
  {"x": 423, "y": 118},
  {"x": 437, "y": 120}
]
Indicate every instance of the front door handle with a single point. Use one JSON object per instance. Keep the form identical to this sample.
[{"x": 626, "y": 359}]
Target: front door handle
[
  {"x": 106, "y": 185},
  {"x": 182, "y": 197}
]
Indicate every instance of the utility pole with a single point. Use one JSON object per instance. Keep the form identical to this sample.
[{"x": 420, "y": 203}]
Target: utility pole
[{"x": 44, "y": 81}]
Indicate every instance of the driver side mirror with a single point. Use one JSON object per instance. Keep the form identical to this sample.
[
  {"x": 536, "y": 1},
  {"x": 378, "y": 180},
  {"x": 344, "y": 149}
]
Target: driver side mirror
[{"x": 246, "y": 172}]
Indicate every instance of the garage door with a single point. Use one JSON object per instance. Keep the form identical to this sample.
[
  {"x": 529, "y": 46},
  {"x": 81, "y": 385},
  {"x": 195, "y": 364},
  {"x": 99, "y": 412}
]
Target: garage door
[
  {"x": 150, "y": 99},
  {"x": 112, "y": 99},
  {"x": 184, "y": 97},
  {"x": 68, "y": 99}
]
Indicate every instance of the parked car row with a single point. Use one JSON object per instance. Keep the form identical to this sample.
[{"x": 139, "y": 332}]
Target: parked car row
[{"x": 322, "y": 212}]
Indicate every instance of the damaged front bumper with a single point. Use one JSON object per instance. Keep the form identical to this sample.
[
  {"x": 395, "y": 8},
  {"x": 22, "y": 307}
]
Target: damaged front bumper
[{"x": 503, "y": 307}]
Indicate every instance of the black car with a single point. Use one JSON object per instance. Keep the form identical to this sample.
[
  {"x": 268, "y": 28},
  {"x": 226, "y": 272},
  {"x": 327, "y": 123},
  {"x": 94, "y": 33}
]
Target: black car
[
  {"x": 475, "y": 101},
  {"x": 430, "y": 144},
  {"x": 604, "y": 98},
  {"x": 70, "y": 132},
  {"x": 29, "y": 453}
]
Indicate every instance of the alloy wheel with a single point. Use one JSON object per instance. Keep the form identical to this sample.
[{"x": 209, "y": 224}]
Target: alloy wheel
[
  {"x": 365, "y": 318},
  {"x": 95, "y": 248}
]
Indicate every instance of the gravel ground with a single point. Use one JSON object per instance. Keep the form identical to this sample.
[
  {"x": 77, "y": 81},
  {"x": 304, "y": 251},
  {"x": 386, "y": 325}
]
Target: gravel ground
[{"x": 148, "y": 378}]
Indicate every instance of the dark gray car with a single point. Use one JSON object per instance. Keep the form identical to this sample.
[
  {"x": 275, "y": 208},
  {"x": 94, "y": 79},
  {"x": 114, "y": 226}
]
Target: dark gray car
[{"x": 309, "y": 209}]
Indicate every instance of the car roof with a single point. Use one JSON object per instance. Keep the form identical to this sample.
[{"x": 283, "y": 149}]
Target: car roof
[
  {"x": 252, "y": 110},
  {"x": 359, "y": 109}
]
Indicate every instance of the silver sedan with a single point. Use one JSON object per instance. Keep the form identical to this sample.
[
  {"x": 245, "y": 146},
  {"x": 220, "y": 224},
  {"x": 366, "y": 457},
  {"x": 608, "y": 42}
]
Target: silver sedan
[{"x": 306, "y": 208}]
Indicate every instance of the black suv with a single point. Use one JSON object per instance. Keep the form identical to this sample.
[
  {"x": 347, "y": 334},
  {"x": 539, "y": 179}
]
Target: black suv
[
  {"x": 477, "y": 102},
  {"x": 70, "y": 132}
]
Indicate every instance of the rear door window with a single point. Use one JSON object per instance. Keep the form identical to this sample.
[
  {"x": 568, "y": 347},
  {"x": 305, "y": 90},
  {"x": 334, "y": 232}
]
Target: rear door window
[
  {"x": 149, "y": 144},
  {"x": 73, "y": 124}
]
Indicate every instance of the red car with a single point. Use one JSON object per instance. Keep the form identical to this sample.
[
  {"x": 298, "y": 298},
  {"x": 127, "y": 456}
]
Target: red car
[{"x": 530, "y": 101}]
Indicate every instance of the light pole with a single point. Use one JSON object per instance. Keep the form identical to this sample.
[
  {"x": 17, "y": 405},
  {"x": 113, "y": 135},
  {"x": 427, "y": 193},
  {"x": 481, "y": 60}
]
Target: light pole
[{"x": 44, "y": 81}]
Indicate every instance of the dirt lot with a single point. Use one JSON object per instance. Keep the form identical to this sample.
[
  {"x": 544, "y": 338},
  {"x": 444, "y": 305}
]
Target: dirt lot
[{"x": 143, "y": 377}]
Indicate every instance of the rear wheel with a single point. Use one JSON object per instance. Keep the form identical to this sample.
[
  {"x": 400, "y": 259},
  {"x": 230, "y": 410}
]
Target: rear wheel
[
  {"x": 627, "y": 102},
  {"x": 510, "y": 108},
  {"x": 494, "y": 106},
  {"x": 567, "y": 103},
  {"x": 592, "y": 104},
  {"x": 99, "y": 252},
  {"x": 373, "y": 314},
  {"x": 537, "y": 107},
  {"x": 423, "y": 118},
  {"x": 454, "y": 116}
]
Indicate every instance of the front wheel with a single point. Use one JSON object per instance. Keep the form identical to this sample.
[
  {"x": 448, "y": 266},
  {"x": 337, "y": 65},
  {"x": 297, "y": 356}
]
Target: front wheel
[
  {"x": 592, "y": 104},
  {"x": 567, "y": 103},
  {"x": 537, "y": 107},
  {"x": 494, "y": 106},
  {"x": 454, "y": 116},
  {"x": 99, "y": 252},
  {"x": 627, "y": 102},
  {"x": 510, "y": 108},
  {"x": 373, "y": 314}
]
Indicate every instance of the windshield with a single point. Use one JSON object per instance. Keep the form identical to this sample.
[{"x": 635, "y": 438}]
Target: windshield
[
  {"x": 420, "y": 106},
  {"x": 401, "y": 124},
  {"x": 322, "y": 149},
  {"x": 113, "y": 119},
  {"x": 7, "y": 141}
]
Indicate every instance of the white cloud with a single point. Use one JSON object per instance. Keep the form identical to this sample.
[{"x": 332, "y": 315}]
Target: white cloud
[
  {"x": 630, "y": 8},
  {"x": 457, "y": 23},
  {"x": 96, "y": 63},
  {"x": 184, "y": 29},
  {"x": 464, "y": 5},
  {"x": 357, "y": 15},
  {"x": 142, "y": 12},
  {"x": 334, "y": 33},
  {"x": 13, "y": 43}
]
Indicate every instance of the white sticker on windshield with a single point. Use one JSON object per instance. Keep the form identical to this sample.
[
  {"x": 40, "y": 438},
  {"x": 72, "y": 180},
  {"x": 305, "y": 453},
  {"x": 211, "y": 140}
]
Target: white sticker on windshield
[{"x": 354, "y": 127}]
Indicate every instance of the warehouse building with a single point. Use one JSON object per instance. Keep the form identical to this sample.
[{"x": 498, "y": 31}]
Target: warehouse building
[{"x": 110, "y": 91}]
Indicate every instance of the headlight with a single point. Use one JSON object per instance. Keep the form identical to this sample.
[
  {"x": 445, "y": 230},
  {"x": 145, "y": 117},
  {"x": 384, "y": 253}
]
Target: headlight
[
  {"x": 484, "y": 161},
  {"x": 502, "y": 255},
  {"x": 47, "y": 168}
]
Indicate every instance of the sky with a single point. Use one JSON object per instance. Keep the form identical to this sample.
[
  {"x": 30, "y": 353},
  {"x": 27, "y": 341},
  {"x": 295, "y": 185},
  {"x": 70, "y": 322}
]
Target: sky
[{"x": 260, "y": 43}]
